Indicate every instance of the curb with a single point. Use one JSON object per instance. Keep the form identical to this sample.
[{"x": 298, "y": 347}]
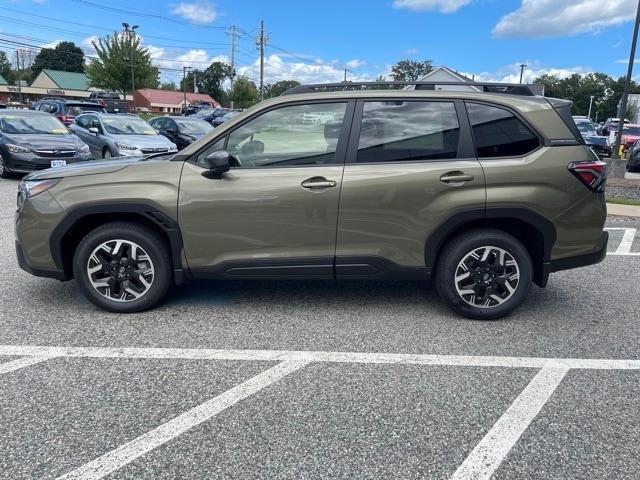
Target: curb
[{"x": 616, "y": 210}]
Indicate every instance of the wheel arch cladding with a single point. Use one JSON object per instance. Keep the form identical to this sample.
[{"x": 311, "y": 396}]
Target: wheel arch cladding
[
  {"x": 535, "y": 232},
  {"x": 78, "y": 222}
]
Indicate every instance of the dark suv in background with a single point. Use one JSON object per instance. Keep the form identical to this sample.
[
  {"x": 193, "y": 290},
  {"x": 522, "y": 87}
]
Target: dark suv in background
[
  {"x": 65, "y": 110},
  {"x": 484, "y": 192}
]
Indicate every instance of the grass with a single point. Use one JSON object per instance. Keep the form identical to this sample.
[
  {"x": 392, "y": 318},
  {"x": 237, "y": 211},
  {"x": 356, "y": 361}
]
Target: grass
[{"x": 623, "y": 201}]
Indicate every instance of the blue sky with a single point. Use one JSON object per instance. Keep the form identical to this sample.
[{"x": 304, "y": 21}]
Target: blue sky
[{"x": 314, "y": 42}]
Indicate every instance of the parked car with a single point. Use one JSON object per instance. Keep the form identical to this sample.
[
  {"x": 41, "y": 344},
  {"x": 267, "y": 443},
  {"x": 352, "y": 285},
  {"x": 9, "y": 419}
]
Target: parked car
[
  {"x": 65, "y": 110},
  {"x": 224, "y": 118},
  {"x": 34, "y": 141},
  {"x": 210, "y": 114},
  {"x": 611, "y": 125},
  {"x": 194, "y": 108},
  {"x": 112, "y": 135},
  {"x": 454, "y": 186},
  {"x": 630, "y": 135},
  {"x": 110, "y": 101},
  {"x": 599, "y": 144},
  {"x": 633, "y": 165},
  {"x": 180, "y": 130}
]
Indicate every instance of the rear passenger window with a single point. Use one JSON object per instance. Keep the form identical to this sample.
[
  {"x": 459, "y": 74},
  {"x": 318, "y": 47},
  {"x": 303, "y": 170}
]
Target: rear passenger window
[
  {"x": 400, "y": 131},
  {"x": 499, "y": 133}
]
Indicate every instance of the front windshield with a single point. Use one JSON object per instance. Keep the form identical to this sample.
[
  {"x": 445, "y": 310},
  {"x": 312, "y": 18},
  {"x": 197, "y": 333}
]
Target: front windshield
[
  {"x": 127, "y": 125},
  {"x": 31, "y": 124},
  {"x": 635, "y": 131},
  {"x": 195, "y": 127},
  {"x": 586, "y": 127}
]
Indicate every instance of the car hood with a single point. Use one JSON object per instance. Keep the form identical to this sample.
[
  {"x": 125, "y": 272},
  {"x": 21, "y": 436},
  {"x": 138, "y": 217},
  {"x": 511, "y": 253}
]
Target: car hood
[
  {"x": 85, "y": 168},
  {"x": 46, "y": 142},
  {"x": 142, "y": 141}
]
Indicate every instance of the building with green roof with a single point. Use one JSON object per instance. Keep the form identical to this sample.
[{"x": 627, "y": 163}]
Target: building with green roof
[{"x": 56, "y": 79}]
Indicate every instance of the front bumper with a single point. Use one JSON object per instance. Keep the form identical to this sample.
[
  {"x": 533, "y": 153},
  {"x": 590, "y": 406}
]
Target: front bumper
[
  {"x": 29, "y": 162},
  {"x": 24, "y": 264}
]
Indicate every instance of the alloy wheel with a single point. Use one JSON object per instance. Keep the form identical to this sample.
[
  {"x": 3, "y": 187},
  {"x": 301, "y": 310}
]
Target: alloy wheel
[
  {"x": 120, "y": 270},
  {"x": 487, "y": 277}
]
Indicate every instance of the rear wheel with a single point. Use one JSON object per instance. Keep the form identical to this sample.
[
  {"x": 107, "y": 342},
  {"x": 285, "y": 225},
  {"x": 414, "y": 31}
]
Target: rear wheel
[
  {"x": 484, "y": 274},
  {"x": 123, "y": 267}
]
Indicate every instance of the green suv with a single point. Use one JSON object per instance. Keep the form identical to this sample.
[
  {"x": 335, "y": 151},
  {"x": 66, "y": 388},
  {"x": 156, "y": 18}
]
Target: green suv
[{"x": 483, "y": 191}]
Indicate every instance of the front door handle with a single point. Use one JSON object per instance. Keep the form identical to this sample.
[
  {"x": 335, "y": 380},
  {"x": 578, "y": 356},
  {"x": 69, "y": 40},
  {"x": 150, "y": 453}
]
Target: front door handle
[
  {"x": 318, "y": 182},
  {"x": 456, "y": 177}
]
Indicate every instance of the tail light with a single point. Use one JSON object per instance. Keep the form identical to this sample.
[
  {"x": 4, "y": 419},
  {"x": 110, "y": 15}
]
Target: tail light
[
  {"x": 66, "y": 119},
  {"x": 102, "y": 103},
  {"x": 593, "y": 174}
]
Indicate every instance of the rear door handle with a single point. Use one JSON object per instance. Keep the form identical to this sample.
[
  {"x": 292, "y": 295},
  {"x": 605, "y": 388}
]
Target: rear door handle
[
  {"x": 318, "y": 182},
  {"x": 456, "y": 177}
]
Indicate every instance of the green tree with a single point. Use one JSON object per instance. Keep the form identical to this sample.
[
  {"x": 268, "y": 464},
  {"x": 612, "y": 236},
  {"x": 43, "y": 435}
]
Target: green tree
[
  {"x": 65, "y": 56},
  {"x": 410, "y": 70},
  {"x": 112, "y": 69},
  {"x": 244, "y": 93},
  {"x": 168, "y": 86},
  {"x": 278, "y": 88},
  {"x": 210, "y": 80},
  {"x": 5, "y": 67}
]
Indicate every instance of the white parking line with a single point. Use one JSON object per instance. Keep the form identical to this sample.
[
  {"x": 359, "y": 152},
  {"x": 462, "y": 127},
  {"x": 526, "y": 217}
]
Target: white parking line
[
  {"x": 19, "y": 363},
  {"x": 320, "y": 356},
  {"x": 124, "y": 454},
  {"x": 487, "y": 456},
  {"x": 624, "y": 248}
]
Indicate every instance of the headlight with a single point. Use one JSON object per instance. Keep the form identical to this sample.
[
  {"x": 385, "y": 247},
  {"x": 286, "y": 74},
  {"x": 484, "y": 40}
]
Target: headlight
[
  {"x": 31, "y": 188},
  {"x": 84, "y": 149},
  {"x": 124, "y": 146},
  {"x": 17, "y": 148}
]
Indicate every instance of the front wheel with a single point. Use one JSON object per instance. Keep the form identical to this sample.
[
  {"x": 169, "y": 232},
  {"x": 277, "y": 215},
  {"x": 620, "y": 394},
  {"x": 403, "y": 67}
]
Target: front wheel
[
  {"x": 4, "y": 173},
  {"x": 123, "y": 267},
  {"x": 484, "y": 274}
]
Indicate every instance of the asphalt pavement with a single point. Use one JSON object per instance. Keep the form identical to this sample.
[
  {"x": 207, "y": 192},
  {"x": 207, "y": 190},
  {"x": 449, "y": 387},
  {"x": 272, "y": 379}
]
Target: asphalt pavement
[{"x": 318, "y": 379}]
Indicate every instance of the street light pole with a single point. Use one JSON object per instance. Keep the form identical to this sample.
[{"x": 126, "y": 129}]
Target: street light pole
[
  {"x": 591, "y": 97},
  {"x": 184, "y": 86},
  {"x": 627, "y": 85},
  {"x": 130, "y": 33}
]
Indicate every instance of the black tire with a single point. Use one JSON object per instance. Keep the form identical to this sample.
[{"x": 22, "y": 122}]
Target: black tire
[
  {"x": 462, "y": 245},
  {"x": 152, "y": 244},
  {"x": 4, "y": 171},
  {"x": 106, "y": 153}
]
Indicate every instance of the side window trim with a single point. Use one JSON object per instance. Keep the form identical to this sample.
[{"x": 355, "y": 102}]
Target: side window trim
[
  {"x": 464, "y": 151},
  {"x": 341, "y": 148},
  {"x": 541, "y": 139}
]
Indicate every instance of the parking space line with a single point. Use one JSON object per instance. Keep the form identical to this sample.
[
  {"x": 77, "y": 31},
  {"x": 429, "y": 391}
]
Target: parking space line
[
  {"x": 19, "y": 363},
  {"x": 624, "y": 248},
  {"x": 320, "y": 356},
  {"x": 487, "y": 456},
  {"x": 128, "y": 452}
]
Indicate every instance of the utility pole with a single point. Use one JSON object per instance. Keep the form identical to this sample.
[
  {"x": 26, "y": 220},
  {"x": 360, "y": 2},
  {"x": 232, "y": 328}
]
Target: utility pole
[
  {"x": 627, "y": 84},
  {"x": 591, "y": 97},
  {"x": 234, "y": 37},
  {"x": 184, "y": 86},
  {"x": 19, "y": 81},
  {"x": 130, "y": 33},
  {"x": 522, "y": 67},
  {"x": 345, "y": 75},
  {"x": 262, "y": 42}
]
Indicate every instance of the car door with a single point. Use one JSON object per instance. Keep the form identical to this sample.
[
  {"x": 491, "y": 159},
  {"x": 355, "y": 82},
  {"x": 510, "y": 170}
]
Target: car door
[
  {"x": 274, "y": 213},
  {"x": 92, "y": 139},
  {"x": 410, "y": 165}
]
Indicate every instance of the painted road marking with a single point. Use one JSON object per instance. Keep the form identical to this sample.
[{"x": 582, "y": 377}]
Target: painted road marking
[
  {"x": 487, "y": 456},
  {"x": 124, "y": 454},
  {"x": 19, "y": 363},
  {"x": 320, "y": 356},
  {"x": 624, "y": 248}
]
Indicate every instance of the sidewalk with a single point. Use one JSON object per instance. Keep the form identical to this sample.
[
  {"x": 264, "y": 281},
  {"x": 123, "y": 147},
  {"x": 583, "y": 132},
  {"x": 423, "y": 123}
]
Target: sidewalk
[{"x": 616, "y": 210}]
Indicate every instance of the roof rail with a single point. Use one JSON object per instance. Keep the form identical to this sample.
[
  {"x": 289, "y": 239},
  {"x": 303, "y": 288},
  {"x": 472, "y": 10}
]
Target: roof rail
[{"x": 487, "y": 87}]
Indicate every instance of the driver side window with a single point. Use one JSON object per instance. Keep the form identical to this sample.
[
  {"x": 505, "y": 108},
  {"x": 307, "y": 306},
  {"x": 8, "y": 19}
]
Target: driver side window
[{"x": 293, "y": 135}]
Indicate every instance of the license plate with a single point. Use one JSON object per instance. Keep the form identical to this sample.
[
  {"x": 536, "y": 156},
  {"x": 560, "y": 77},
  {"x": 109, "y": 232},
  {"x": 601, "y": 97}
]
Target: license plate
[{"x": 58, "y": 163}]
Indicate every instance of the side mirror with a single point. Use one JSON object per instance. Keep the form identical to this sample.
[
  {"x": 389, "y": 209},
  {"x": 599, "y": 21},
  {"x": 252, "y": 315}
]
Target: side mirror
[
  {"x": 217, "y": 163},
  {"x": 94, "y": 130}
]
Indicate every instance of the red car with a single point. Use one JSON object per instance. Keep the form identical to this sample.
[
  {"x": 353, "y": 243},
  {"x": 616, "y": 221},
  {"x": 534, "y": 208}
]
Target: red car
[{"x": 630, "y": 135}]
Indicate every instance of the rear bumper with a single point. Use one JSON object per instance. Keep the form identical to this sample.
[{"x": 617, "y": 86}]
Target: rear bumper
[{"x": 38, "y": 272}]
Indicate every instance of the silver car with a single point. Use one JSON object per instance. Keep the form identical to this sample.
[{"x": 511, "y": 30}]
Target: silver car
[{"x": 119, "y": 135}]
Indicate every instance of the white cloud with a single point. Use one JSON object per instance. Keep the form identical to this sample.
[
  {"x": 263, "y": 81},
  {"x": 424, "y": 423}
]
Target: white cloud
[
  {"x": 411, "y": 51},
  {"x": 444, "y": 6},
  {"x": 52, "y": 44},
  {"x": 541, "y": 18},
  {"x": 511, "y": 73},
  {"x": 277, "y": 69},
  {"x": 625, "y": 61},
  {"x": 355, "y": 63},
  {"x": 201, "y": 12}
]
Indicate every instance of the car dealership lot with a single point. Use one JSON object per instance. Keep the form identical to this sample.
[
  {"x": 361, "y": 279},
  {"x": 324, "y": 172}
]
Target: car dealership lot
[{"x": 322, "y": 379}]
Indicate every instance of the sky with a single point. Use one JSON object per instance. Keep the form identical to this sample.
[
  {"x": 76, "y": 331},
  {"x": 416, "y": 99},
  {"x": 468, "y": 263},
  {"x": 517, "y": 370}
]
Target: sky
[{"x": 315, "y": 41}]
